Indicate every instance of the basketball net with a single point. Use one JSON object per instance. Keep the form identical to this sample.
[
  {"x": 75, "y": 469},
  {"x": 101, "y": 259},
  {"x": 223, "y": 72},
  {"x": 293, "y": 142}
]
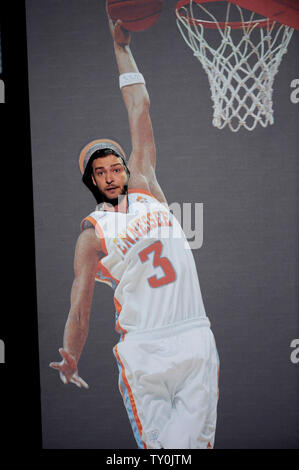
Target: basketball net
[{"x": 241, "y": 68}]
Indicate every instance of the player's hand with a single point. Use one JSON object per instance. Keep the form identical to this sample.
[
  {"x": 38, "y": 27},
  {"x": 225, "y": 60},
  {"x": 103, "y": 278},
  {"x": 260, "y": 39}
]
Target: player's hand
[
  {"x": 121, "y": 36},
  {"x": 68, "y": 370}
]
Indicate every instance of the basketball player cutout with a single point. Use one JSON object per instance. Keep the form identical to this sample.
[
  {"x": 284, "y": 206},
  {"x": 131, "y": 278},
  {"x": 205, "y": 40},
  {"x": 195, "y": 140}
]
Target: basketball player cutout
[{"x": 167, "y": 357}]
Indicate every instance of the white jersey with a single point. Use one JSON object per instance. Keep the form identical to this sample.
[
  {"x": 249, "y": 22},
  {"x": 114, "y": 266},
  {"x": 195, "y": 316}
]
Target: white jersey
[{"x": 149, "y": 264}]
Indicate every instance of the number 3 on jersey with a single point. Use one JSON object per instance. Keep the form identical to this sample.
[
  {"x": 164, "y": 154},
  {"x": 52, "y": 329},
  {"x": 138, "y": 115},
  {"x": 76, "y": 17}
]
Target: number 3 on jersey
[{"x": 164, "y": 263}]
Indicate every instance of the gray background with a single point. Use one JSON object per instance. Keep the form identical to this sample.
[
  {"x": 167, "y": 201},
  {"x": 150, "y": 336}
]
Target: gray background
[{"x": 248, "y": 183}]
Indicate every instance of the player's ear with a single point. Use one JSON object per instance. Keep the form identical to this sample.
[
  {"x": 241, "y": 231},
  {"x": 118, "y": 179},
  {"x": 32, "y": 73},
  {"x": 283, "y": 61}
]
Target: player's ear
[{"x": 93, "y": 180}]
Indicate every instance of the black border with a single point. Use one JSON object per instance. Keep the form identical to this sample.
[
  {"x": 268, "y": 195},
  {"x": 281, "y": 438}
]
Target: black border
[{"x": 19, "y": 376}]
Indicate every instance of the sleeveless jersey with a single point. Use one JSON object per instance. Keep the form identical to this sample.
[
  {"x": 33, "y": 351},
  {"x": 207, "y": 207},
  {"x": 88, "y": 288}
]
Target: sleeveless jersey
[{"x": 149, "y": 264}]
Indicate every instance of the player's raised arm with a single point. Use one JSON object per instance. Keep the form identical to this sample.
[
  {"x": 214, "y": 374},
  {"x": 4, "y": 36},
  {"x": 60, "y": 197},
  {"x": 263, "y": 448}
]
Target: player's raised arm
[
  {"x": 142, "y": 160},
  {"x": 77, "y": 324}
]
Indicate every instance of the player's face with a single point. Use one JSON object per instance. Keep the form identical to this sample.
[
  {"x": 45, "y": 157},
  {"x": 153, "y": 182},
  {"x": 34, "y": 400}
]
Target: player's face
[{"x": 109, "y": 176}]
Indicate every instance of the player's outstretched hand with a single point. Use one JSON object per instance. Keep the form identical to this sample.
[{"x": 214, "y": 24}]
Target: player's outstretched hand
[
  {"x": 121, "y": 36},
  {"x": 68, "y": 370}
]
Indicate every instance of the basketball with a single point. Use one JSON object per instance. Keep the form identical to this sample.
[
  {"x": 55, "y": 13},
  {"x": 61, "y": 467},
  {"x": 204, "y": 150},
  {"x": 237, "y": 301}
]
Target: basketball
[{"x": 137, "y": 15}]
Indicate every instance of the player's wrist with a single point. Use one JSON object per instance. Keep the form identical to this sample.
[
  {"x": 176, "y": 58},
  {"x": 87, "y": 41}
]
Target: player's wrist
[
  {"x": 121, "y": 47},
  {"x": 130, "y": 78}
]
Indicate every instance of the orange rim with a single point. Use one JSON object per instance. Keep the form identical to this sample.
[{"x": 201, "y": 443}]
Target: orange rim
[{"x": 219, "y": 24}]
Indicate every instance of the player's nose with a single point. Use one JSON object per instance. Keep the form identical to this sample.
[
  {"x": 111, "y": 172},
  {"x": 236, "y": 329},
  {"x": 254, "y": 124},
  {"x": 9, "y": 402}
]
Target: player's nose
[{"x": 109, "y": 177}]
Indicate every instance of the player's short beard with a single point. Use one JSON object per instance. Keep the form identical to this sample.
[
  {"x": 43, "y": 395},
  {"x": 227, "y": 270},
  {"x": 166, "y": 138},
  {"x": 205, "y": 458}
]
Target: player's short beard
[{"x": 115, "y": 201}]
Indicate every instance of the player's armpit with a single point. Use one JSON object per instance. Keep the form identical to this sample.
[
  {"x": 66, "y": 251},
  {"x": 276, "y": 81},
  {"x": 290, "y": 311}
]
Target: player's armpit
[
  {"x": 147, "y": 183},
  {"x": 86, "y": 252}
]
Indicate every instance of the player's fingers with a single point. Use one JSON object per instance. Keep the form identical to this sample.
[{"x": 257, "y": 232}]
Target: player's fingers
[
  {"x": 63, "y": 378},
  {"x": 111, "y": 24},
  {"x": 118, "y": 26},
  {"x": 79, "y": 381},
  {"x": 55, "y": 365},
  {"x": 83, "y": 383},
  {"x": 76, "y": 382}
]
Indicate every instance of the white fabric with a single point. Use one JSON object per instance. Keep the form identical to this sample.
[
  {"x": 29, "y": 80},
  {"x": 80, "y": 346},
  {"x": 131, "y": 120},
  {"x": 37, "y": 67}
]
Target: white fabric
[
  {"x": 174, "y": 380},
  {"x": 130, "y": 78},
  {"x": 144, "y": 306},
  {"x": 166, "y": 356}
]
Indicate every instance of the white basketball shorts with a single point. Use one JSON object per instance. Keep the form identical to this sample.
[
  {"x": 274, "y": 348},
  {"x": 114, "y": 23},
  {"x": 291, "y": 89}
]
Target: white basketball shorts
[{"x": 168, "y": 378}]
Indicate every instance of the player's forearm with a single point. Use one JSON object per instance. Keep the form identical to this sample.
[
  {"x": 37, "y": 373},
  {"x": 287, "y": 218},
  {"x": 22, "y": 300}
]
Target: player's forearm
[
  {"x": 124, "y": 59},
  {"x": 135, "y": 96},
  {"x": 85, "y": 263},
  {"x": 75, "y": 333}
]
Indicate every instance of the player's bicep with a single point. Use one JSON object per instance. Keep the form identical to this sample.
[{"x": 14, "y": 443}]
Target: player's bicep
[
  {"x": 142, "y": 161},
  {"x": 143, "y": 156}
]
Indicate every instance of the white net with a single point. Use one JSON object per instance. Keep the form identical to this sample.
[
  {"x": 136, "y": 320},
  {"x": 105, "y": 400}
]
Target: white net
[{"x": 241, "y": 66}]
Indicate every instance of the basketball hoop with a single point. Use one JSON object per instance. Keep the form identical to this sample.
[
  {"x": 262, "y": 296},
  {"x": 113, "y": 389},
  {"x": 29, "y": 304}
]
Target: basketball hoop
[{"x": 241, "y": 67}]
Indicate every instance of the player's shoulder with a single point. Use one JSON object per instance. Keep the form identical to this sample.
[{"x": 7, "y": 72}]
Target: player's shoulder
[
  {"x": 93, "y": 219},
  {"x": 88, "y": 240},
  {"x": 142, "y": 196}
]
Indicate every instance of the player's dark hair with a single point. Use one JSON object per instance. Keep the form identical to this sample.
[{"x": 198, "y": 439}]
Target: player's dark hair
[{"x": 87, "y": 175}]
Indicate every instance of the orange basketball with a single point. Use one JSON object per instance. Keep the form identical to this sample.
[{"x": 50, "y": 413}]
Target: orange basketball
[{"x": 137, "y": 15}]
